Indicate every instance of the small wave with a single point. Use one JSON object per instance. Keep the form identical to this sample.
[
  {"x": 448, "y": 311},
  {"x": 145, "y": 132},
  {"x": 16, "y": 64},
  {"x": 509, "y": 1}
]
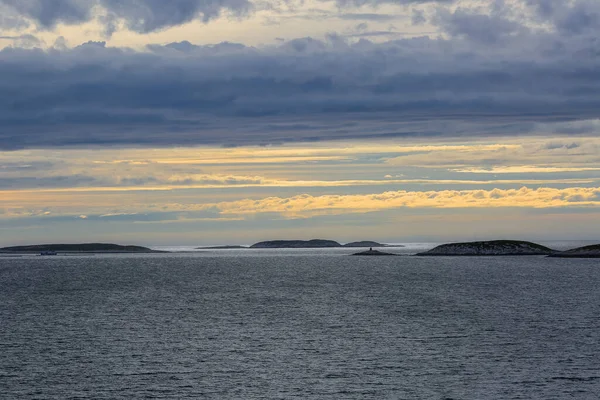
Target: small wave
[
  {"x": 575, "y": 378},
  {"x": 153, "y": 373},
  {"x": 424, "y": 339},
  {"x": 339, "y": 376}
]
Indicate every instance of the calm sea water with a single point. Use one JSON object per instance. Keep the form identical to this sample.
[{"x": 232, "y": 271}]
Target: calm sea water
[{"x": 297, "y": 324}]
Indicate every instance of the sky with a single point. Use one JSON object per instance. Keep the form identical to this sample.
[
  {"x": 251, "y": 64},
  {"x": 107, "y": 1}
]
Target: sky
[{"x": 196, "y": 122}]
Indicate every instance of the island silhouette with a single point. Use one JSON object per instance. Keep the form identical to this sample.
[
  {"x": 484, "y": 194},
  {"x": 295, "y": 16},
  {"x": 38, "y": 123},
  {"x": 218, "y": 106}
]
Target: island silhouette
[
  {"x": 315, "y": 243},
  {"x": 78, "y": 248},
  {"x": 489, "y": 248},
  {"x": 477, "y": 248},
  {"x": 372, "y": 252},
  {"x": 592, "y": 251}
]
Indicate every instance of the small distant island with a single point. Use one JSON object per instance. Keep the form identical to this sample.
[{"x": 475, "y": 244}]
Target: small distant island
[
  {"x": 490, "y": 248},
  {"x": 295, "y": 244},
  {"x": 221, "y": 247},
  {"x": 313, "y": 244},
  {"x": 78, "y": 248},
  {"x": 372, "y": 252},
  {"x": 592, "y": 251},
  {"x": 368, "y": 243}
]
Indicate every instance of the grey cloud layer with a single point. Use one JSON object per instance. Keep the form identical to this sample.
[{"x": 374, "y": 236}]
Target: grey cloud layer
[
  {"x": 141, "y": 16},
  {"x": 493, "y": 74},
  {"x": 144, "y": 16}
]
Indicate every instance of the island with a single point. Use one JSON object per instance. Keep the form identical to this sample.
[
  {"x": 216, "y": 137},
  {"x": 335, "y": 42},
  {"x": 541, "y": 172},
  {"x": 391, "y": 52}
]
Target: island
[
  {"x": 368, "y": 243},
  {"x": 77, "y": 248},
  {"x": 372, "y": 252},
  {"x": 221, "y": 247},
  {"x": 490, "y": 248},
  {"x": 314, "y": 244},
  {"x": 592, "y": 251},
  {"x": 296, "y": 244}
]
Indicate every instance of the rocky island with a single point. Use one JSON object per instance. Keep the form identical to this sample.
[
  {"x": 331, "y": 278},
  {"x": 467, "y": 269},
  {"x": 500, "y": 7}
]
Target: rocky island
[
  {"x": 312, "y": 244},
  {"x": 489, "y": 248},
  {"x": 368, "y": 243},
  {"x": 78, "y": 248},
  {"x": 592, "y": 251},
  {"x": 226, "y": 247},
  {"x": 295, "y": 244}
]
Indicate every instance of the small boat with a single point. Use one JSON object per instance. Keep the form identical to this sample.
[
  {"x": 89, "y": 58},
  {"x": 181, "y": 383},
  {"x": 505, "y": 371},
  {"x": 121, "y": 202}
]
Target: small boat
[{"x": 48, "y": 253}]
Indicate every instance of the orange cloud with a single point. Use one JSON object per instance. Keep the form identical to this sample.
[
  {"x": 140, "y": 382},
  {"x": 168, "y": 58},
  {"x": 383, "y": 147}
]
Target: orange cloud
[
  {"x": 299, "y": 206},
  {"x": 307, "y": 205}
]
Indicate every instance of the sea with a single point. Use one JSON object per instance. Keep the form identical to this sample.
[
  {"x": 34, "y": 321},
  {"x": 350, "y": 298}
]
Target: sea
[{"x": 298, "y": 324}]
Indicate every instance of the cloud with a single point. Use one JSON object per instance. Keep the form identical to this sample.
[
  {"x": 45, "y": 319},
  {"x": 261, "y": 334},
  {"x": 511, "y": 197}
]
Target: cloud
[
  {"x": 142, "y": 16},
  {"x": 75, "y": 203},
  {"x": 477, "y": 27},
  {"x": 309, "y": 206},
  {"x": 217, "y": 180},
  {"x": 561, "y": 160},
  {"x": 569, "y": 17},
  {"x": 11, "y": 20},
  {"x": 317, "y": 14},
  {"x": 47, "y": 182},
  {"x": 145, "y": 16},
  {"x": 374, "y": 34},
  {"x": 418, "y": 17},
  {"x": 24, "y": 41},
  {"x": 525, "y": 169},
  {"x": 376, "y": 17},
  {"x": 233, "y": 94},
  {"x": 375, "y": 3},
  {"x": 496, "y": 70},
  {"x": 49, "y": 13},
  {"x": 530, "y": 157}
]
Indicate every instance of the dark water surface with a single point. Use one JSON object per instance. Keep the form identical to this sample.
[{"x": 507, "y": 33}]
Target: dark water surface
[{"x": 277, "y": 326}]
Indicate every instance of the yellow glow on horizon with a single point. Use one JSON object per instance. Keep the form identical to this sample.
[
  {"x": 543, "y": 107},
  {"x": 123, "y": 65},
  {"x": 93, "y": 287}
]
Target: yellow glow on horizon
[{"x": 276, "y": 179}]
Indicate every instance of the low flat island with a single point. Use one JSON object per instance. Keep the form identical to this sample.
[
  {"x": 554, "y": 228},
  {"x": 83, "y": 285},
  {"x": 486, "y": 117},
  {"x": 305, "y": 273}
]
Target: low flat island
[
  {"x": 296, "y": 244},
  {"x": 315, "y": 244},
  {"x": 78, "y": 248},
  {"x": 226, "y": 247},
  {"x": 368, "y": 243},
  {"x": 372, "y": 252}
]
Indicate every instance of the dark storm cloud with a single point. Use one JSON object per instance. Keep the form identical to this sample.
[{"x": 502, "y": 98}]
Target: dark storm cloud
[
  {"x": 150, "y": 15},
  {"x": 572, "y": 17},
  {"x": 11, "y": 20},
  {"x": 141, "y": 16},
  {"x": 483, "y": 28},
  {"x": 48, "y": 13}
]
